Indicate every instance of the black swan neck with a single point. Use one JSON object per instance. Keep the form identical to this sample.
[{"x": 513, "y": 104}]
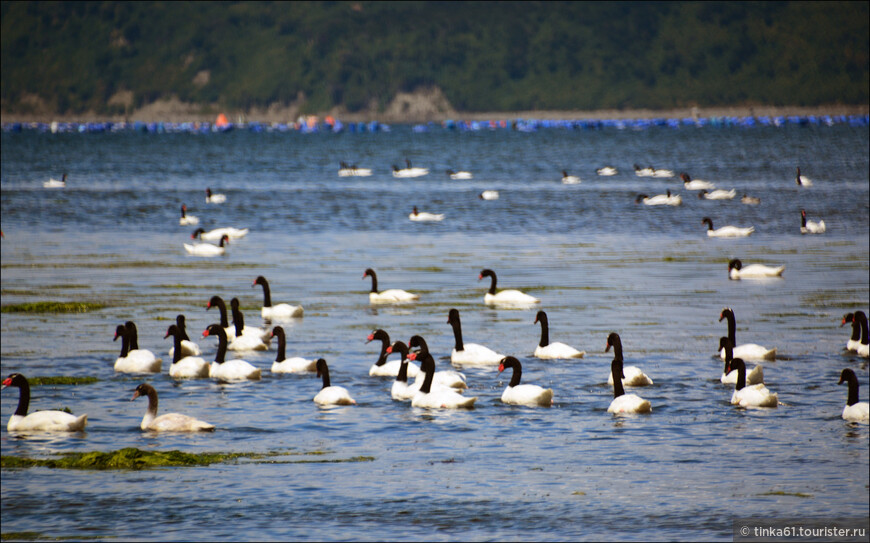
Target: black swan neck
[
  {"x": 517, "y": 375},
  {"x": 176, "y": 340},
  {"x": 371, "y": 273},
  {"x": 182, "y": 329},
  {"x": 121, "y": 332},
  {"x": 732, "y": 325},
  {"x": 454, "y": 321},
  {"x": 847, "y": 375},
  {"x": 737, "y": 364},
  {"x": 222, "y": 307},
  {"x": 267, "y": 294},
  {"x": 19, "y": 381},
  {"x": 133, "y": 335},
  {"x": 427, "y": 364},
  {"x": 616, "y": 371},
  {"x": 545, "y": 329},
  {"x": 282, "y": 342},
  {"x": 323, "y": 371}
]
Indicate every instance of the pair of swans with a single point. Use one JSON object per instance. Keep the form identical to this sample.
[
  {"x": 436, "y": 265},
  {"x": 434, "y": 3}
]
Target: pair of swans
[
  {"x": 133, "y": 359},
  {"x": 858, "y": 343}
]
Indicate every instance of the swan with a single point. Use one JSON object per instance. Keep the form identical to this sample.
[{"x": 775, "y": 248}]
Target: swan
[
  {"x": 622, "y": 402},
  {"x": 726, "y": 231},
  {"x": 863, "y": 348},
  {"x": 517, "y": 394},
  {"x": 662, "y": 173},
  {"x": 802, "y": 180},
  {"x": 469, "y": 353},
  {"x": 409, "y": 171},
  {"x": 55, "y": 183},
  {"x": 489, "y": 195},
  {"x": 282, "y": 364},
  {"x": 214, "y": 198},
  {"x": 170, "y": 422},
  {"x": 133, "y": 359},
  {"x": 447, "y": 378},
  {"x": 188, "y": 348},
  {"x": 187, "y": 220},
  {"x": 632, "y": 376},
  {"x": 854, "y": 341},
  {"x": 416, "y": 215},
  {"x": 730, "y": 377},
  {"x": 606, "y": 171},
  {"x": 737, "y": 271},
  {"x": 811, "y": 227},
  {"x": 389, "y": 296},
  {"x": 217, "y": 301},
  {"x": 643, "y": 172},
  {"x": 696, "y": 184},
  {"x": 746, "y": 351},
  {"x": 246, "y": 342},
  {"x": 330, "y": 394},
  {"x": 659, "y": 199},
  {"x": 854, "y": 411},
  {"x": 505, "y": 297},
  {"x": 437, "y": 397},
  {"x": 382, "y": 368},
  {"x": 750, "y": 200},
  {"x": 459, "y": 175},
  {"x": 569, "y": 179},
  {"x": 207, "y": 249},
  {"x": 218, "y": 233},
  {"x": 184, "y": 367},
  {"x": 401, "y": 390},
  {"x": 278, "y": 311},
  {"x": 40, "y": 421},
  {"x": 749, "y": 395},
  {"x": 718, "y": 194},
  {"x": 547, "y": 350},
  {"x": 353, "y": 171},
  {"x": 230, "y": 370}
]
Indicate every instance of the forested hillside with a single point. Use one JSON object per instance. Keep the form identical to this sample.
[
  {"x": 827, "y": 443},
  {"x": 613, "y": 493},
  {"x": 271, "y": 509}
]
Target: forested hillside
[{"x": 484, "y": 56}]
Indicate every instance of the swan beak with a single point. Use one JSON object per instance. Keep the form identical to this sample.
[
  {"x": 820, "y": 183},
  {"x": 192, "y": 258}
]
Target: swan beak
[
  {"x": 500, "y": 368},
  {"x": 135, "y": 395},
  {"x": 412, "y": 356},
  {"x": 370, "y": 338},
  {"x": 390, "y": 349},
  {"x": 204, "y": 333},
  {"x": 607, "y": 348}
]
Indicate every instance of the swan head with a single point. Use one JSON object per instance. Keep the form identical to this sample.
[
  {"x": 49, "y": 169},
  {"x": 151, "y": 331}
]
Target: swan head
[
  {"x": 171, "y": 331},
  {"x": 277, "y": 332},
  {"x": 197, "y": 232},
  {"x": 540, "y": 317},
  {"x": 486, "y": 272},
  {"x": 215, "y": 301},
  {"x": 508, "y": 362},
  {"x": 735, "y": 264},
  {"x": 685, "y": 177},
  {"x": 725, "y": 313},
  {"x": 613, "y": 340},
  {"x": 15, "y": 380},
  {"x": 708, "y": 221},
  {"x": 208, "y": 192},
  {"x": 378, "y": 334},
  {"x": 848, "y": 317},
  {"x": 398, "y": 347},
  {"x": 214, "y": 330},
  {"x": 260, "y": 280},
  {"x": 418, "y": 341},
  {"x": 368, "y": 273},
  {"x": 845, "y": 376},
  {"x": 453, "y": 316},
  {"x": 640, "y": 197},
  {"x": 143, "y": 390},
  {"x": 120, "y": 331}
]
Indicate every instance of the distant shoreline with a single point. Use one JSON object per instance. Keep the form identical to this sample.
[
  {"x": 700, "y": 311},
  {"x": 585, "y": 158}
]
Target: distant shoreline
[{"x": 174, "y": 114}]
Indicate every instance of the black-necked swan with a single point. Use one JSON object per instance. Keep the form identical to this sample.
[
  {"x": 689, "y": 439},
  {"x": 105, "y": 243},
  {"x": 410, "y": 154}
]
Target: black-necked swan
[
  {"x": 170, "y": 422},
  {"x": 736, "y": 270},
  {"x": 133, "y": 359},
  {"x": 854, "y": 411},
  {"x": 217, "y": 301},
  {"x": 519, "y": 394},
  {"x": 730, "y": 377},
  {"x": 504, "y": 297},
  {"x": 187, "y": 220},
  {"x": 662, "y": 173},
  {"x": 488, "y": 195},
  {"x": 749, "y": 395},
  {"x": 214, "y": 198},
  {"x": 459, "y": 175},
  {"x": 802, "y": 180},
  {"x": 447, "y": 378},
  {"x": 718, "y": 194},
  {"x": 569, "y": 179},
  {"x": 863, "y": 348},
  {"x": 555, "y": 350},
  {"x": 750, "y": 200},
  {"x": 746, "y": 351},
  {"x": 53, "y": 183},
  {"x": 346, "y": 170},
  {"x": 432, "y": 397},
  {"x": 218, "y": 233},
  {"x": 854, "y": 340},
  {"x": 330, "y": 394},
  {"x": 469, "y": 353},
  {"x": 695, "y": 184},
  {"x": 382, "y": 368},
  {"x": 40, "y": 421},
  {"x": 643, "y": 172},
  {"x": 624, "y": 403},
  {"x": 606, "y": 171},
  {"x": 184, "y": 367},
  {"x": 726, "y": 231},
  {"x": 632, "y": 376},
  {"x": 811, "y": 227},
  {"x": 392, "y": 295},
  {"x": 228, "y": 370},
  {"x": 188, "y": 347},
  {"x": 282, "y": 364},
  {"x": 423, "y": 216},
  {"x": 242, "y": 341},
  {"x": 277, "y": 311},
  {"x": 409, "y": 171},
  {"x": 660, "y": 199},
  {"x": 401, "y": 390},
  {"x": 207, "y": 249}
]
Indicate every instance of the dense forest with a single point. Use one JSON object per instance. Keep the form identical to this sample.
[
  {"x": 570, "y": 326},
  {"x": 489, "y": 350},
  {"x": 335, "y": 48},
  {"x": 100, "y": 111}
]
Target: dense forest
[{"x": 484, "y": 56}]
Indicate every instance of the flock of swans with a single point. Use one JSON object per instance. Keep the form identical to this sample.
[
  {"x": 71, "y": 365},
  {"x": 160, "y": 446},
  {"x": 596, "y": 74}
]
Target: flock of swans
[{"x": 430, "y": 389}]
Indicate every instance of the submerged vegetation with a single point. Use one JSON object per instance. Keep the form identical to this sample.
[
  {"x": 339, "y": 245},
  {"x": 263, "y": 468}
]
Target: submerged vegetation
[
  {"x": 60, "y": 380},
  {"x": 52, "y": 307},
  {"x": 136, "y": 459}
]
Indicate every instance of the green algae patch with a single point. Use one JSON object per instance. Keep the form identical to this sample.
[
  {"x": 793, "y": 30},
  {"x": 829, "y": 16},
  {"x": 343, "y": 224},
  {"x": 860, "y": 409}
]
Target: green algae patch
[
  {"x": 52, "y": 307},
  {"x": 781, "y": 493},
  {"x": 60, "y": 380},
  {"x": 132, "y": 458}
]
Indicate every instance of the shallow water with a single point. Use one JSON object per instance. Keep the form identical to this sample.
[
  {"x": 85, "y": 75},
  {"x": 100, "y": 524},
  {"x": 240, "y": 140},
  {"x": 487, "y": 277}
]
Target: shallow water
[{"x": 599, "y": 263}]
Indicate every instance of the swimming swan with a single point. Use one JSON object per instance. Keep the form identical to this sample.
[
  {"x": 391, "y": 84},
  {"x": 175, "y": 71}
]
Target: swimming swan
[
  {"x": 854, "y": 411},
  {"x": 184, "y": 366},
  {"x": 392, "y": 295},
  {"x": 505, "y": 297},
  {"x": 40, "y": 421},
  {"x": 746, "y": 351},
  {"x": 278, "y": 311},
  {"x": 632, "y": 376},
  {"x": 726, "y": 231},
  {"x": 517, "y": 394},
  {"x": 282, "y": 364},
  {"x": 228, "y": 370},
  {"x": 170, "y": 422},
  {"x": 207, "y": 249},
  {"x": 755, "y": 271},
  {"x": 730, "y": 377},
  {"x": 469, "y": 353},
  {"x": 624, "y": 403},
  {"x": 811, "y": 227},
  {"x": 382, "y": 368},
  {"x": 556, "y": 350},
  {"x": 330, "y": 394},
  {"x": 749, "y": 395}
]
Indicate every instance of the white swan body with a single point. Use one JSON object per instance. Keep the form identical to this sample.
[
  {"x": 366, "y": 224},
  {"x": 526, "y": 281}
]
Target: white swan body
[
  {"x": 854, "y": 411},
  {"x": 811, "y": 227},
  {"x": 662, "y": 173},
  {"x": 433, "y": 397},
  {"x": 409, "y": 171},
  {"x": 749, "y": 395},
  {"x": 606, "y": 171},
  {"x": 623, "y": 403},
  {"x": 746, "y": 351},
  {"x": 459, "y": 175},
  {"x": 643, "y": 172},
  {"x": 207, "y": 249},
  {"x": 388, "y": 296},
  {"x": 569, "y": 179},
  {"x": 218, "y": 233},
  {"x": 504, "y": 297},
  {"x": 667, "y": 199},
  {"x": 854, "y": 341},
  {"x": 296, "y": 364},
  {"x": 802, "y": 180},
  {"x": 188, "y": 348},
  {"x": 278, "y": 311},
  {"x": 247, "y": 342},
  {"x": 695, "y": 184},
  {"x": 382, "y": 368},
  {"x": 189, "y": 367},
  {"x": 40, "y": 421},
  {"x": 187, "y": 220},
  {"x": 211, "y": 198},
  {"x": 489, "y": 195},
  {"x": 423, "y": 216},
  {"x": 230, "y": 370},
  {"x": 750, "y": 200},
  {"x": 138, "y": 361},
  {"x": 523, "y": 394},
  {"x": 53, "y": 183},
  {"x": 718, "y": 194},
  {"x": 170, "y": 422},
  {"x": 353, "y": 171},
  {"x": 555, "y": 350},
  {"x": 736, "y": 270},
  {"x": 330, "y": 394},
  {"x": 469, "y": 353},
  {"x": 726, "y": 231}
]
